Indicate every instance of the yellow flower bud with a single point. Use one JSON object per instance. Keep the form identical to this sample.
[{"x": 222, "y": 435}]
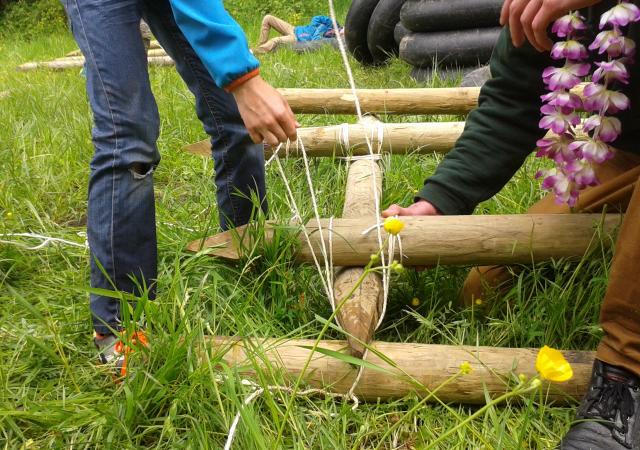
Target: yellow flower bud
[
  {"x": 415, "y": 301},
  {"x": 552, "y": 365},
  {"x": 478, "y": 302},
  {"x": 393, "y": 225},
  {"x": 465, "y": 368},
  {"x": 9, "y": 214},
  {"x": 536, "y": 382},
  {"x": 375, "y": 259},
  {"x": 396, "y": 267},
  {"x": 523, "y": 378}
]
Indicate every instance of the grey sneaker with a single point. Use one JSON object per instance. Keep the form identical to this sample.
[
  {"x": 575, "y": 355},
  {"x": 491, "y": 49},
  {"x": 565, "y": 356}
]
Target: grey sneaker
[{"x": 606, "y": 418}]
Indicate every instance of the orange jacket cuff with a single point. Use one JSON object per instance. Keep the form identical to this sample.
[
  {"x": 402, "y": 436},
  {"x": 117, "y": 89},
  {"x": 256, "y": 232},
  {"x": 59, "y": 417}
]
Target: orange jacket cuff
[{"x": 243, "y": 79}]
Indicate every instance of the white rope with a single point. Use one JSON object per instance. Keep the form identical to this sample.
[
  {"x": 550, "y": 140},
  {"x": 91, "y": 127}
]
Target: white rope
[
  {"x": 258, "y": 391},
  {"x": 344, "y": 136},
  {"x": 328, "y": 263},
  {"x": 275, "y": 154},
  {"x": 372, "y": 130},
  {"x": 46, "y": 240},
  {"x": 298, "y": 215},
  {"x": 361, "y": 158},
  {"x": 385, "y": 271}
]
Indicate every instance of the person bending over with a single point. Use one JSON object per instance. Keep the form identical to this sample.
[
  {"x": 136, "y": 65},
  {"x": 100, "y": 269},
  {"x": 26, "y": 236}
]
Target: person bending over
[
  {"x": 498, "y": 136},
  {"x": 238, "y": 110}
]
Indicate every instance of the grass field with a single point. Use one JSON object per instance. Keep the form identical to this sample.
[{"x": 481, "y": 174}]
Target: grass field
[{"x": 52, "y": 395}]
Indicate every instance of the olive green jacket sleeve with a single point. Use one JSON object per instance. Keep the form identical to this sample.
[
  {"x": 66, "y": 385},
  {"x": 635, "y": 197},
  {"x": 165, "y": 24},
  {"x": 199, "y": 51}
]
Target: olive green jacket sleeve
[{"x": 498, "y": 135}]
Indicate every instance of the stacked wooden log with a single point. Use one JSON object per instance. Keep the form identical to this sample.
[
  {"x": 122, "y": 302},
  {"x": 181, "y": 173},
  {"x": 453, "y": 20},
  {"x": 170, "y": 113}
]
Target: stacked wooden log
[
  {"x": 426, "y": 241},
  {"x": 156, "y": 56}
]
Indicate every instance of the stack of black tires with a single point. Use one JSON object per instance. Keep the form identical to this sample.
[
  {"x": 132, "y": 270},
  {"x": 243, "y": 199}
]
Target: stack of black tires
[{"x": 425, "y": 33}]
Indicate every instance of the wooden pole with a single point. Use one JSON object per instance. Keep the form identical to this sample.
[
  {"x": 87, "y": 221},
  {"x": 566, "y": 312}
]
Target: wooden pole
[
  {"x": 77, "y": 62},
  {"x": 345, "y": 140},
  {"x": 420, "y": 368},
  {"x": 159, "y": 51},
  {"x": 359, "y": 315},
  {"x": 446, "y": 240},
  {"x": 385, "y": 101},
  {"x": 156, "y": 52}
]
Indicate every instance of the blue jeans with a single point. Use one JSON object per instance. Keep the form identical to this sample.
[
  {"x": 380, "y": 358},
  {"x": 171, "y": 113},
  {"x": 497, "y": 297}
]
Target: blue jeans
[{"x": 121, "y": 212}]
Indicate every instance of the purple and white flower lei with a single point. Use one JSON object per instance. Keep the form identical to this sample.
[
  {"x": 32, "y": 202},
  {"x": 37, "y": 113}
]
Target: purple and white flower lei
[{"x": 573, "y": 154}]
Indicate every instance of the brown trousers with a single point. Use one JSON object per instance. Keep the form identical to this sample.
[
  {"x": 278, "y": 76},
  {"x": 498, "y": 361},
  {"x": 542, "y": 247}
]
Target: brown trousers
[
  {"x": 265, "y": 45},
  {"x": 620, "y": 314}
]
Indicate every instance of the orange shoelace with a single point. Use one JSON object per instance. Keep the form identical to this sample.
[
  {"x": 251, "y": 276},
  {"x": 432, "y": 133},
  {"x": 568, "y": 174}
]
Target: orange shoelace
[{"x": 137, "y": 338}]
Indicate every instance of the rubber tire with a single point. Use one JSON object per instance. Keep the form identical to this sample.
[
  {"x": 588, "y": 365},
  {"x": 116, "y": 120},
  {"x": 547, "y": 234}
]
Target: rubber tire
[
  {"x": 382, "y": 24},
  {"x": 442, "y": 15},
  {"x": 449, "y": 48},
  {"x": 355, "y": 29},
  {"x": 399, "y": 33}
]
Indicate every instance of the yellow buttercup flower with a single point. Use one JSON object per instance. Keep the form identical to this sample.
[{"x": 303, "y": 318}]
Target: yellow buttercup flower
[
  {"x": 552, "y": 365},
  {"x": 415, "y": 301},
  {"x": 393, "y": 225},
  {"x": 465, "y": 368}
]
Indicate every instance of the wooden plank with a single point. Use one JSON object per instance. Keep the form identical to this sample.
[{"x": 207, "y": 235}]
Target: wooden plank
[
  {"x": 430, "y": 366},
  {"x": 359, "y": 315},
  {"x": 338, "y": 140},
  {"x": 446, "y": 240}
]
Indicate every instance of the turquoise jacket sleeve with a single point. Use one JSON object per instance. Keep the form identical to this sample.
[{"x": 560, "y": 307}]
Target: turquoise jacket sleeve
[{"x": 217, "y": 39}]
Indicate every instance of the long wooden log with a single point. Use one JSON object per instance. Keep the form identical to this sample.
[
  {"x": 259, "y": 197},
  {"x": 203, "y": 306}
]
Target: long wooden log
[
  {"x": 446, "y": 240},
  {"x": 154, "y": 45},
  {"x": 157, "y": 52},
  {"x": 151, "y": 53},
  {"x": 387, "y": 101},
  {"x": 345, "y": 140},
  {"x": 419, "y": 368},
  {"x": 77, "y": 62},
  {"x": 359, "y": 314}
]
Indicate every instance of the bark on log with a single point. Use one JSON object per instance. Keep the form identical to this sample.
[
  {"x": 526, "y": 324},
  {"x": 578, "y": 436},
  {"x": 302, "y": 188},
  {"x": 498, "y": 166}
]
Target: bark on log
[
  {"x": 399, "y": 138},
  {"x": 445, "y": 240},
  {"x": 360, "y": 313},
  {"x": 428, "y": 365},
  {"x": 75, "y": 62}
]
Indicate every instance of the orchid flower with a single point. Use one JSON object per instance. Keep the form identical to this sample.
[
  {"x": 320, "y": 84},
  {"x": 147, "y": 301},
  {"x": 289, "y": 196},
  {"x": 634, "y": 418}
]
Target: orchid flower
[{"x": 575, "y": 157}]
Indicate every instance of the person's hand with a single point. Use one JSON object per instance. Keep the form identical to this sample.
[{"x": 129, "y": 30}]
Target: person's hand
[
  {"x": 419, "y": 208},
  {"x": 530, "y": 19},
  {"x": 265, "y": 112}
]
